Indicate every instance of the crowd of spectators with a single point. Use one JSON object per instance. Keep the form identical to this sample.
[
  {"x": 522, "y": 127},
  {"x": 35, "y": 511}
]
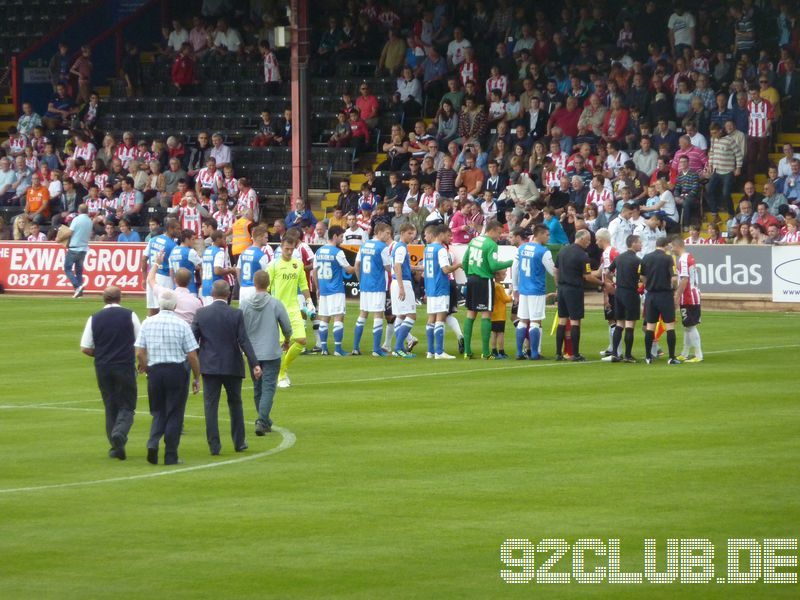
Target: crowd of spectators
[{"x": 527, "y": 114}]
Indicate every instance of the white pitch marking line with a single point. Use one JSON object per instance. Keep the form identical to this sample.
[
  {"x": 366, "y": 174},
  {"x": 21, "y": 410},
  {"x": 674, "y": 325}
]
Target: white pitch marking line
[{"x": 288, "y": 440}]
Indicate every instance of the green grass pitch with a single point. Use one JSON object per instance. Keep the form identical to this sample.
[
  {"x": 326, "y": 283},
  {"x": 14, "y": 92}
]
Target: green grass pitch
[{"x": 406, "y": 475}]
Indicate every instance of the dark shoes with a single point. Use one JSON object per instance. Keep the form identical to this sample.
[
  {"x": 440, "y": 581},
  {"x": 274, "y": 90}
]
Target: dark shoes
[
  {"x": 152, "y": 456},
  {"x": 579, "y": 358},
  {"x": 262, "y": 428},
  {"x": 242, "y": 448},
  {"x": 118, "y": 447}
]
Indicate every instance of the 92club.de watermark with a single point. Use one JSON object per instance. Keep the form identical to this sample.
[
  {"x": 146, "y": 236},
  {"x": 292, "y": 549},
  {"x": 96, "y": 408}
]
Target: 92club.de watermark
[{"x": 675, "y": 560}]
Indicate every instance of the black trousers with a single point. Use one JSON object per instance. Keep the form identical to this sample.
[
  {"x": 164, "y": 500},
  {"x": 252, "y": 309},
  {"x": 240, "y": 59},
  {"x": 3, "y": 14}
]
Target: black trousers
[
  {"x": 117, "y": 385},
  {"x": 167, "y": 390},
  {"x": 212, "y": 388}
]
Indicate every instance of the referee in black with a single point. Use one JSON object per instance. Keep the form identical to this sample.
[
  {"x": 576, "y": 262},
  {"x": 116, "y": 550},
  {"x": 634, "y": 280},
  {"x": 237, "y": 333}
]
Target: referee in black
[
  {"x": 658, "y": 275},
  {"x": 572, "y": 269},
  {"x": 108, "y": 337},
  {"x": 627, "y": 307}
]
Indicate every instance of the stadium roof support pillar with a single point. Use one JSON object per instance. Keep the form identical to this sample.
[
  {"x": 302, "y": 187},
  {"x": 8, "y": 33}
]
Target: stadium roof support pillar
[{"x": 300, "y": 122}]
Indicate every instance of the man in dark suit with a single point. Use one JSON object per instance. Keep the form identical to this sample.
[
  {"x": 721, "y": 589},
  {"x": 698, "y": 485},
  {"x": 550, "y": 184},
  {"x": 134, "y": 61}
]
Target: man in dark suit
[
  {"x": 221, "y": 333},
  {"x": 536, "y": 120},
  {"x": 108, "y": 337}
]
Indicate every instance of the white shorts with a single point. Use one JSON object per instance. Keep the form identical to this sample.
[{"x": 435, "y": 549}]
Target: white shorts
[
  {"x": 207, "y": 300},
  {"x": 438, "y": 304},
  {"x": 372, "y": 302},
  {"x": 164, "y": 281},
  {"x": 331, "y": 305},
  {"x": 246, "y": 293},
  {"x": 531, "y": 308},
  {"x": 403, "y": 307}
]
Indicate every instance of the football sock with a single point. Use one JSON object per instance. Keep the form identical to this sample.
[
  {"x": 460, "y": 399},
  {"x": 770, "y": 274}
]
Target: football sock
[
  {"x": 293, "y": 352},
  {"x": 323, "y": 336},
  {"x": 454, "y": 325},
  {"x": 688, "y": 341},
  {"x": 535, "y": 333},
  {"x": 468, "y": 324},
  {"x": 616, "y": 340},
  {"x": 315, "y": 328},
  {"x": 628, "y": 342},
  {"x": 338, "y": 334},
  {"x": 671, "y": 342},
  {"x": 521, "y": 331},
  {"x": 486, "y": 334},
  {"x": 377, "y": 332},
  {"x": 429, "y": 335},
  {"x": 560, "y": 330},
  {"x": 648, "y": 343},
  {"x": 576, "y": 340},
  {"x": 698, "y": 351},
  {"x": 438, "y": 336},
  {"x": 389, "y": 334},
  {"x": 401, "y": 333},
  {"x": 611, "y": 329},
  {"x": 360, "y": 321}
]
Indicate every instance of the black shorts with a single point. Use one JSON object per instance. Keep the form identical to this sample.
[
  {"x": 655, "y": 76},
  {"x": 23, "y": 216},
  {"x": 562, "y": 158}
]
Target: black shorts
[
  {"x": 499, "y": 326},
  {"x": 570, "y": 303},
  {"x": 453, "y": 308},
  {"x": 690, "y": 314},
  {"x": 659, "y": 304},
  {"x": 627, "y": 306},
  {"x": 480, "y": 294},
  {"x": 387, "y": 310},
  {"x": 610, "y": 312}
]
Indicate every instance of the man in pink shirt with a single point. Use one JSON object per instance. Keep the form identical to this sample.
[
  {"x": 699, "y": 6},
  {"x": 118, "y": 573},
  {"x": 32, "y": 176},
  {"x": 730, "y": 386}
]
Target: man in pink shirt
[
  {"x": 461, "y": 224},
  {"x": 697, "y": 158},
  {"x": 188, "y": 304},
  {"x": 367, "y": 105}
]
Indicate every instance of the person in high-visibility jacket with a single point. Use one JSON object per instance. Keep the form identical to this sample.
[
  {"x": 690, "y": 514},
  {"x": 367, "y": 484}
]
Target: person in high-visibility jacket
[{"x": 242, "y": 238}]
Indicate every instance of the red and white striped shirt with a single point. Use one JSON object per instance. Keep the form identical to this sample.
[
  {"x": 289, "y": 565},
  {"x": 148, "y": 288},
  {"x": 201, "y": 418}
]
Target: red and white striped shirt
[
  {"x": 791, "y": 238},
  {"x": 712, "y": 241},
  {"x": 272, "y": 72},
  {"x": 87, "y": 153},
  {"x": 144, "y": 156},
  {"x": 559, "y": 159},
  {"x": 125, "y": 154},
  {"x": 191, "y": 218},
  {"x": 468, "y": 70},
  {"x": 232, "y": 185},
  {"x": 101, "y": 180},
  {"x": 268, "y": 252},
  {"x": 17, "y": 144},
  {"x": 698, "y": 242},
  {"x": 127, "y": 200},
  {"x": 588, "y": 163},
  {"x": 110, "y": 204},
  {"x": 40, "y": 237},
  {"x": 224, "y": 221},
  {"x": 247, "y": 201},
  {"x": 552, "y": 179},
  {"x": 32, "y": 163},
  {"x": 761, "y": 113},
  {"x": 84, "y": 177},
  {"x": 598, "y": 198},
  {"x": 365, "y": 222},
  {"x": 210, "y": 180},
  {"x": 609, "y": 254},
  {"x": 93, "y": 205},
  {"x": 429, "y": 201},
  {"x": 497, "y": 83},
  {"x": 687, "y": 270}
]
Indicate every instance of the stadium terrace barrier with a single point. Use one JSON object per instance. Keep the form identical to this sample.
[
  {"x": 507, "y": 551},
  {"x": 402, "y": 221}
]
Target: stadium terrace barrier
[{"x": 733, "y": 271}]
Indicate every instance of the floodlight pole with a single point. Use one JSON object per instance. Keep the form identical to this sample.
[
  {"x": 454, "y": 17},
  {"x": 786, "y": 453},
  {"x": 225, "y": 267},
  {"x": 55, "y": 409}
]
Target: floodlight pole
[{"x": 300, "y": 125}]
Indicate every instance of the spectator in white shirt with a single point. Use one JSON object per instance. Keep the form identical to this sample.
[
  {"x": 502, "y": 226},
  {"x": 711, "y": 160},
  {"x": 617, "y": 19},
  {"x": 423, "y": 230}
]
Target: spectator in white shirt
[
  {"x": 220, "y": 152},
  {"x": 455, "y": 49}
]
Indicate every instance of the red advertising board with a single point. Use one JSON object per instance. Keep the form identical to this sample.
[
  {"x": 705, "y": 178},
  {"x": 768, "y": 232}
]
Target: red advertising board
[{"x": 39, "y": 267}]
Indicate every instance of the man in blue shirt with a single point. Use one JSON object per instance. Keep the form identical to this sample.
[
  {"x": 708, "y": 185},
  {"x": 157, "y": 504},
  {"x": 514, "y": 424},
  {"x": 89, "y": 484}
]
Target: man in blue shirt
[
  {"x": 161, "y": 243},
  {"x": 437, "y": 266},
  {"x": 216, "y": 265},
  {"x": 373, "y": 265},
  {"x": 251, "y": 261},
  {"x": 80, "y": 230},
  {"x": 300, "y": 213},
  {"x": 186, "y": 257},
  {"x": 329, "y": 265},
  {"x": 557, "y": 233},
  {"x": 528, "y": 280}
]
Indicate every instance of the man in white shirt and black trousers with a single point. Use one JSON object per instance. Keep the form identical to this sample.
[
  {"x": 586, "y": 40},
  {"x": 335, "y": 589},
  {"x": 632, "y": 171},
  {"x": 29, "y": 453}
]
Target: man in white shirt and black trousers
[{"x": 108, "y": 337}]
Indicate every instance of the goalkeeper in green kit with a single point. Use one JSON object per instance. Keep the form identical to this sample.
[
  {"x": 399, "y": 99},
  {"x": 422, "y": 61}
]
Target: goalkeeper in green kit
[{"x": 480, "y": 264}]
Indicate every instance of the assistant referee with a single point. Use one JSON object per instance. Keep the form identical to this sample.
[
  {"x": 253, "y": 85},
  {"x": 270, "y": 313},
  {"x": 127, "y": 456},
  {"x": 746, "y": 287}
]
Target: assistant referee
[
  {"x": 658, "y": 275},
  {"x": 572, "y": 269}
]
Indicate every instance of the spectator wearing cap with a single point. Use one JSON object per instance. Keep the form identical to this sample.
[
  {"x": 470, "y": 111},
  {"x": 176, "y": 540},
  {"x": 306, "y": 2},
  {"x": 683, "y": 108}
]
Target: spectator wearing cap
[{"x": 367, "y": 103}]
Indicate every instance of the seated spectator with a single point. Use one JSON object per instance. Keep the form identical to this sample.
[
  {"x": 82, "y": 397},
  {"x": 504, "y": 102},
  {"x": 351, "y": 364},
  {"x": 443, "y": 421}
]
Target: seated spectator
[
  {"x": 59, "y": 110},
  {"x": 368, "y": 105},
  {"x": 283, "y": 135},
  {"x": 408, "y": 96},
  {"x": 359, "y": 133},
  {"x": 397, "y": 151},
  {"x": 774, "y": 199},
  {"x": 266, "y": 131},
  {"x": 327, "y": 49},
  {"x": 227, "y": 43},
  {"x": 35, "y": 234},
  {"x": 472, "y": 121},
  {"x": 219, "y": 151},
  {"x": 126, "y": 234},
  {"x": 615, "y": 122},
  {"x": 28, "y": 120},
  {"x": 763, "y": 217},
  {"x": 37, "y": 201},
  {"x": 110, "y": 234}
]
